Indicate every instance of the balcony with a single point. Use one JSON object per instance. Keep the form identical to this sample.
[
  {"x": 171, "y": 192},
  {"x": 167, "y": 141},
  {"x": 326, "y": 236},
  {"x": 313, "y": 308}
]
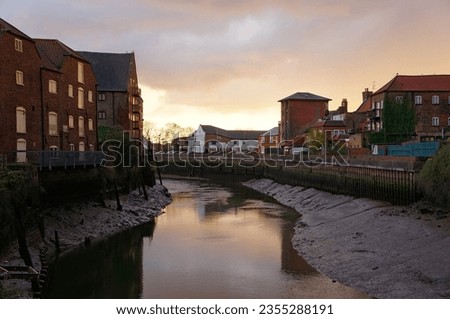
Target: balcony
[
  {"x": 136, "y": 91},
  {"x": 137, "y": 108}
]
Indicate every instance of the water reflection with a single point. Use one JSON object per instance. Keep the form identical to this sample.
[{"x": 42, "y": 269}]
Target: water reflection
[
  {"x": 110, "y": 268},
  {"x": 212, "y": 242}
]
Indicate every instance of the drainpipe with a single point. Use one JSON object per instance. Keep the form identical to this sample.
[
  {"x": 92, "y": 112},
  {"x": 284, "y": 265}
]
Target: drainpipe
[{"x": 42, "y": 111}]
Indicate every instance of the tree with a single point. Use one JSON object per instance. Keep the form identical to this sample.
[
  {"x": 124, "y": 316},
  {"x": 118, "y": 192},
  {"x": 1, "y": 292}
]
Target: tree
[{"x": 166, "y": 134}]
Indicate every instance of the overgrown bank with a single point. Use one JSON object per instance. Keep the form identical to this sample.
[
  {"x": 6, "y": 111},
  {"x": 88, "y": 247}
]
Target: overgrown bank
[{"x": 67, "y": 220}]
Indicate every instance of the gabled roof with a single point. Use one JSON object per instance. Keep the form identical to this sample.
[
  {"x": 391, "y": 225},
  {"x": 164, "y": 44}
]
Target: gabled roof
[
  {"x": 305, "y": 96},
  {"x": 112, "y": 70},
  {"x": 440, "y": 82},
  {"x": 53, "y": 53},
  {"x": 271, "y": 132},
  {"x": 232, "y": 134},
  {"x": 6, "y": 27}
]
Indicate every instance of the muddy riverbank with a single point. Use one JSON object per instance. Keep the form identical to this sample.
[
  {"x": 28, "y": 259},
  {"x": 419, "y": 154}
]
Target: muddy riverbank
[
  {"x": 386, "y": 251},
  {"x": 82, "y": 223}
]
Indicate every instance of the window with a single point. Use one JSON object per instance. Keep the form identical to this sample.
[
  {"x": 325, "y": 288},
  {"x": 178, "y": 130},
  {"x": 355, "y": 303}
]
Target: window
[
  {"x": 435, "y": 121},
  {"x": 102, "y": 97},
  {"x": 19, "y": 77},
  {"x": 81, "y": 146},
  {"x": 399, "y": 99},
  {"x": 435, "y": 99},
  {"x": 90, "y": 96},
  {"x": 71, "y": 147},
  {"x": 80, "y": 72},
  {"x": 80, "y": 98},
  {"x": 448, "y": 121},
  {"x": 21, "y": 120},
  {"x": 91, "y": 147},
  {"x": 449, "y": 100},
  {"x": 70, "y": 121},
  {"x": 81, "y": 126},
  {"x": 52, "y": 86},
  {"x": 21, "y": 150},
  {"x": 90, "y": 125},
  {"x": 418, "y": 99},
  {"x": 70, "y": 90},
  {"x": 18, "y": 45},
  {"x": 52, "y": 123},
  {"x": 102, "y": 115}
]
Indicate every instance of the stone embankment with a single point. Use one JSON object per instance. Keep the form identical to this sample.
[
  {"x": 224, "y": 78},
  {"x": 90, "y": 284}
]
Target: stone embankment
[
  {"x": 82, "y": 223},
  {"x": 386, "y": 251}
]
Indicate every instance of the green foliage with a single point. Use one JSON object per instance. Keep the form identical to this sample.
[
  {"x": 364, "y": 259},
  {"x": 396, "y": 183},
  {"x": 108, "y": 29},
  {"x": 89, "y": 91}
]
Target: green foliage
[
  {"x": 434, "y": 178},
  {"x": 109, "y": 133},
  {"x": 399, "y": 121}
]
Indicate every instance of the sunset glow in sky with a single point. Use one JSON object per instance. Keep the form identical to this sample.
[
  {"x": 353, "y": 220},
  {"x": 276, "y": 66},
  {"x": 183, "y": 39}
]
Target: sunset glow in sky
[{"x": 227, "y": 62}]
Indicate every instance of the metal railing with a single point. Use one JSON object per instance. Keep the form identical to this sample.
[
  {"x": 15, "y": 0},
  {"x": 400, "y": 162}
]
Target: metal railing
[{"x": 60, "y": 159}]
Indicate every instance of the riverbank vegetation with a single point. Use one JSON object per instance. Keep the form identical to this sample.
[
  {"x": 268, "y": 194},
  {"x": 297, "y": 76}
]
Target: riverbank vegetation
[{"x": 434, "y": 178}]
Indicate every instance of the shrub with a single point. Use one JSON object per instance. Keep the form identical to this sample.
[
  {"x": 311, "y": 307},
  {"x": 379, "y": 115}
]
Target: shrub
[{"x": 434, "y": 178}]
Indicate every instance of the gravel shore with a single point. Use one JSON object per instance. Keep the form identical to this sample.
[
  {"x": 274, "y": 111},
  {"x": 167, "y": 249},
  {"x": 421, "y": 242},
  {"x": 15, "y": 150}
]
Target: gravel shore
[
  {"x": 77, "y": 223},
  {"x": 386, "y": 251}
]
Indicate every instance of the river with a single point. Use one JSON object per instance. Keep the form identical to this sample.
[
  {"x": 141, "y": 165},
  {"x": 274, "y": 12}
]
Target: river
[{"x": 213, "y": 241}]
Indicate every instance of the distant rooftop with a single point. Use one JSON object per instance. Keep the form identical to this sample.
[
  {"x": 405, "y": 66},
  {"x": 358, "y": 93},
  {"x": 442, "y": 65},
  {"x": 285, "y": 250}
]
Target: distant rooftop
[
  {"x": 233, "y": 134},
  {"x": 305, "y": 96}
]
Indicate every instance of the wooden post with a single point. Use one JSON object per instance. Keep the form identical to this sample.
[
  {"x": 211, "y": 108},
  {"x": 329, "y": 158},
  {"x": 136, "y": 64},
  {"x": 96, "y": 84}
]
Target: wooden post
[{"x": 116, "y": 192}]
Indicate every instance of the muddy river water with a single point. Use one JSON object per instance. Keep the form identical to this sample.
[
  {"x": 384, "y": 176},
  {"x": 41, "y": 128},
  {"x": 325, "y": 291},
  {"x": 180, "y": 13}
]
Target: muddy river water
[{"x": 213, "y": 241}]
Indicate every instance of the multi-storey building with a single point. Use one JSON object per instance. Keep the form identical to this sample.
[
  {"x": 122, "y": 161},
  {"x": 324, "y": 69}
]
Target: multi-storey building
[
  {"x": 427, "y": 95},
  {"x": 119, "y": 98},
  {"x": 68, "y": 95},
  {"x": 299, "y": 112},
  {"x": 20, "y": 97}
]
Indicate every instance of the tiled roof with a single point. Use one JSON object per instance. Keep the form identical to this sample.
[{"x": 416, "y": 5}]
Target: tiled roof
[
  {"x": 53, "y": 52},
  {"x": 111, "y": 70},
  {"x": 365, "y": 106},
  {"x": 5, "y": 26},
  {"x": 417, "y": 83},
  {"x": 305, "y": 96},
  {"x": 233, "y": 134}
]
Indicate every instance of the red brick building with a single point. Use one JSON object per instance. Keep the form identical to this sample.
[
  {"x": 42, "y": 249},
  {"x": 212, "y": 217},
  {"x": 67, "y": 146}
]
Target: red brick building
[
  {"x": 20, "y": 98},
  {"x": 300, "y": 111},
  {"x": 428, "y": 94},
  {"x": 68, "y": 92}
]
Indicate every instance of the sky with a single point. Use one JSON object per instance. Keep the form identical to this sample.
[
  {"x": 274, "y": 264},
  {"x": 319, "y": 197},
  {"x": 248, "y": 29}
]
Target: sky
[{"x": 228, "y": 62}]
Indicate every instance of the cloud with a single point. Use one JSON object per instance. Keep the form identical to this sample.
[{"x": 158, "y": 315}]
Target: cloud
[{"x": 229, "y": 57}]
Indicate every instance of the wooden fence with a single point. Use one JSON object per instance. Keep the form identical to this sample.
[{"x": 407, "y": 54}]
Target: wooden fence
[{"x": 395, "y": 186}]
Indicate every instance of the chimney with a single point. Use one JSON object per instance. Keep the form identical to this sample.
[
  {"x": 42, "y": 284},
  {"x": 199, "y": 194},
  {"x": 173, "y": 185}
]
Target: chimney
[
  {"x": 344, "y": 106},
  {"x": 366, "y": 94}
]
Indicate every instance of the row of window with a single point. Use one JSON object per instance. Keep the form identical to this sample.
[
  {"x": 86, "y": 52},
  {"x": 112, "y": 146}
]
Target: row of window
[
  {"x": 435, "y": 121},
  {"x": 435, "y": 100},
  {"x": 53, "y": 88},
  {"x": 21, "y": 123}
]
